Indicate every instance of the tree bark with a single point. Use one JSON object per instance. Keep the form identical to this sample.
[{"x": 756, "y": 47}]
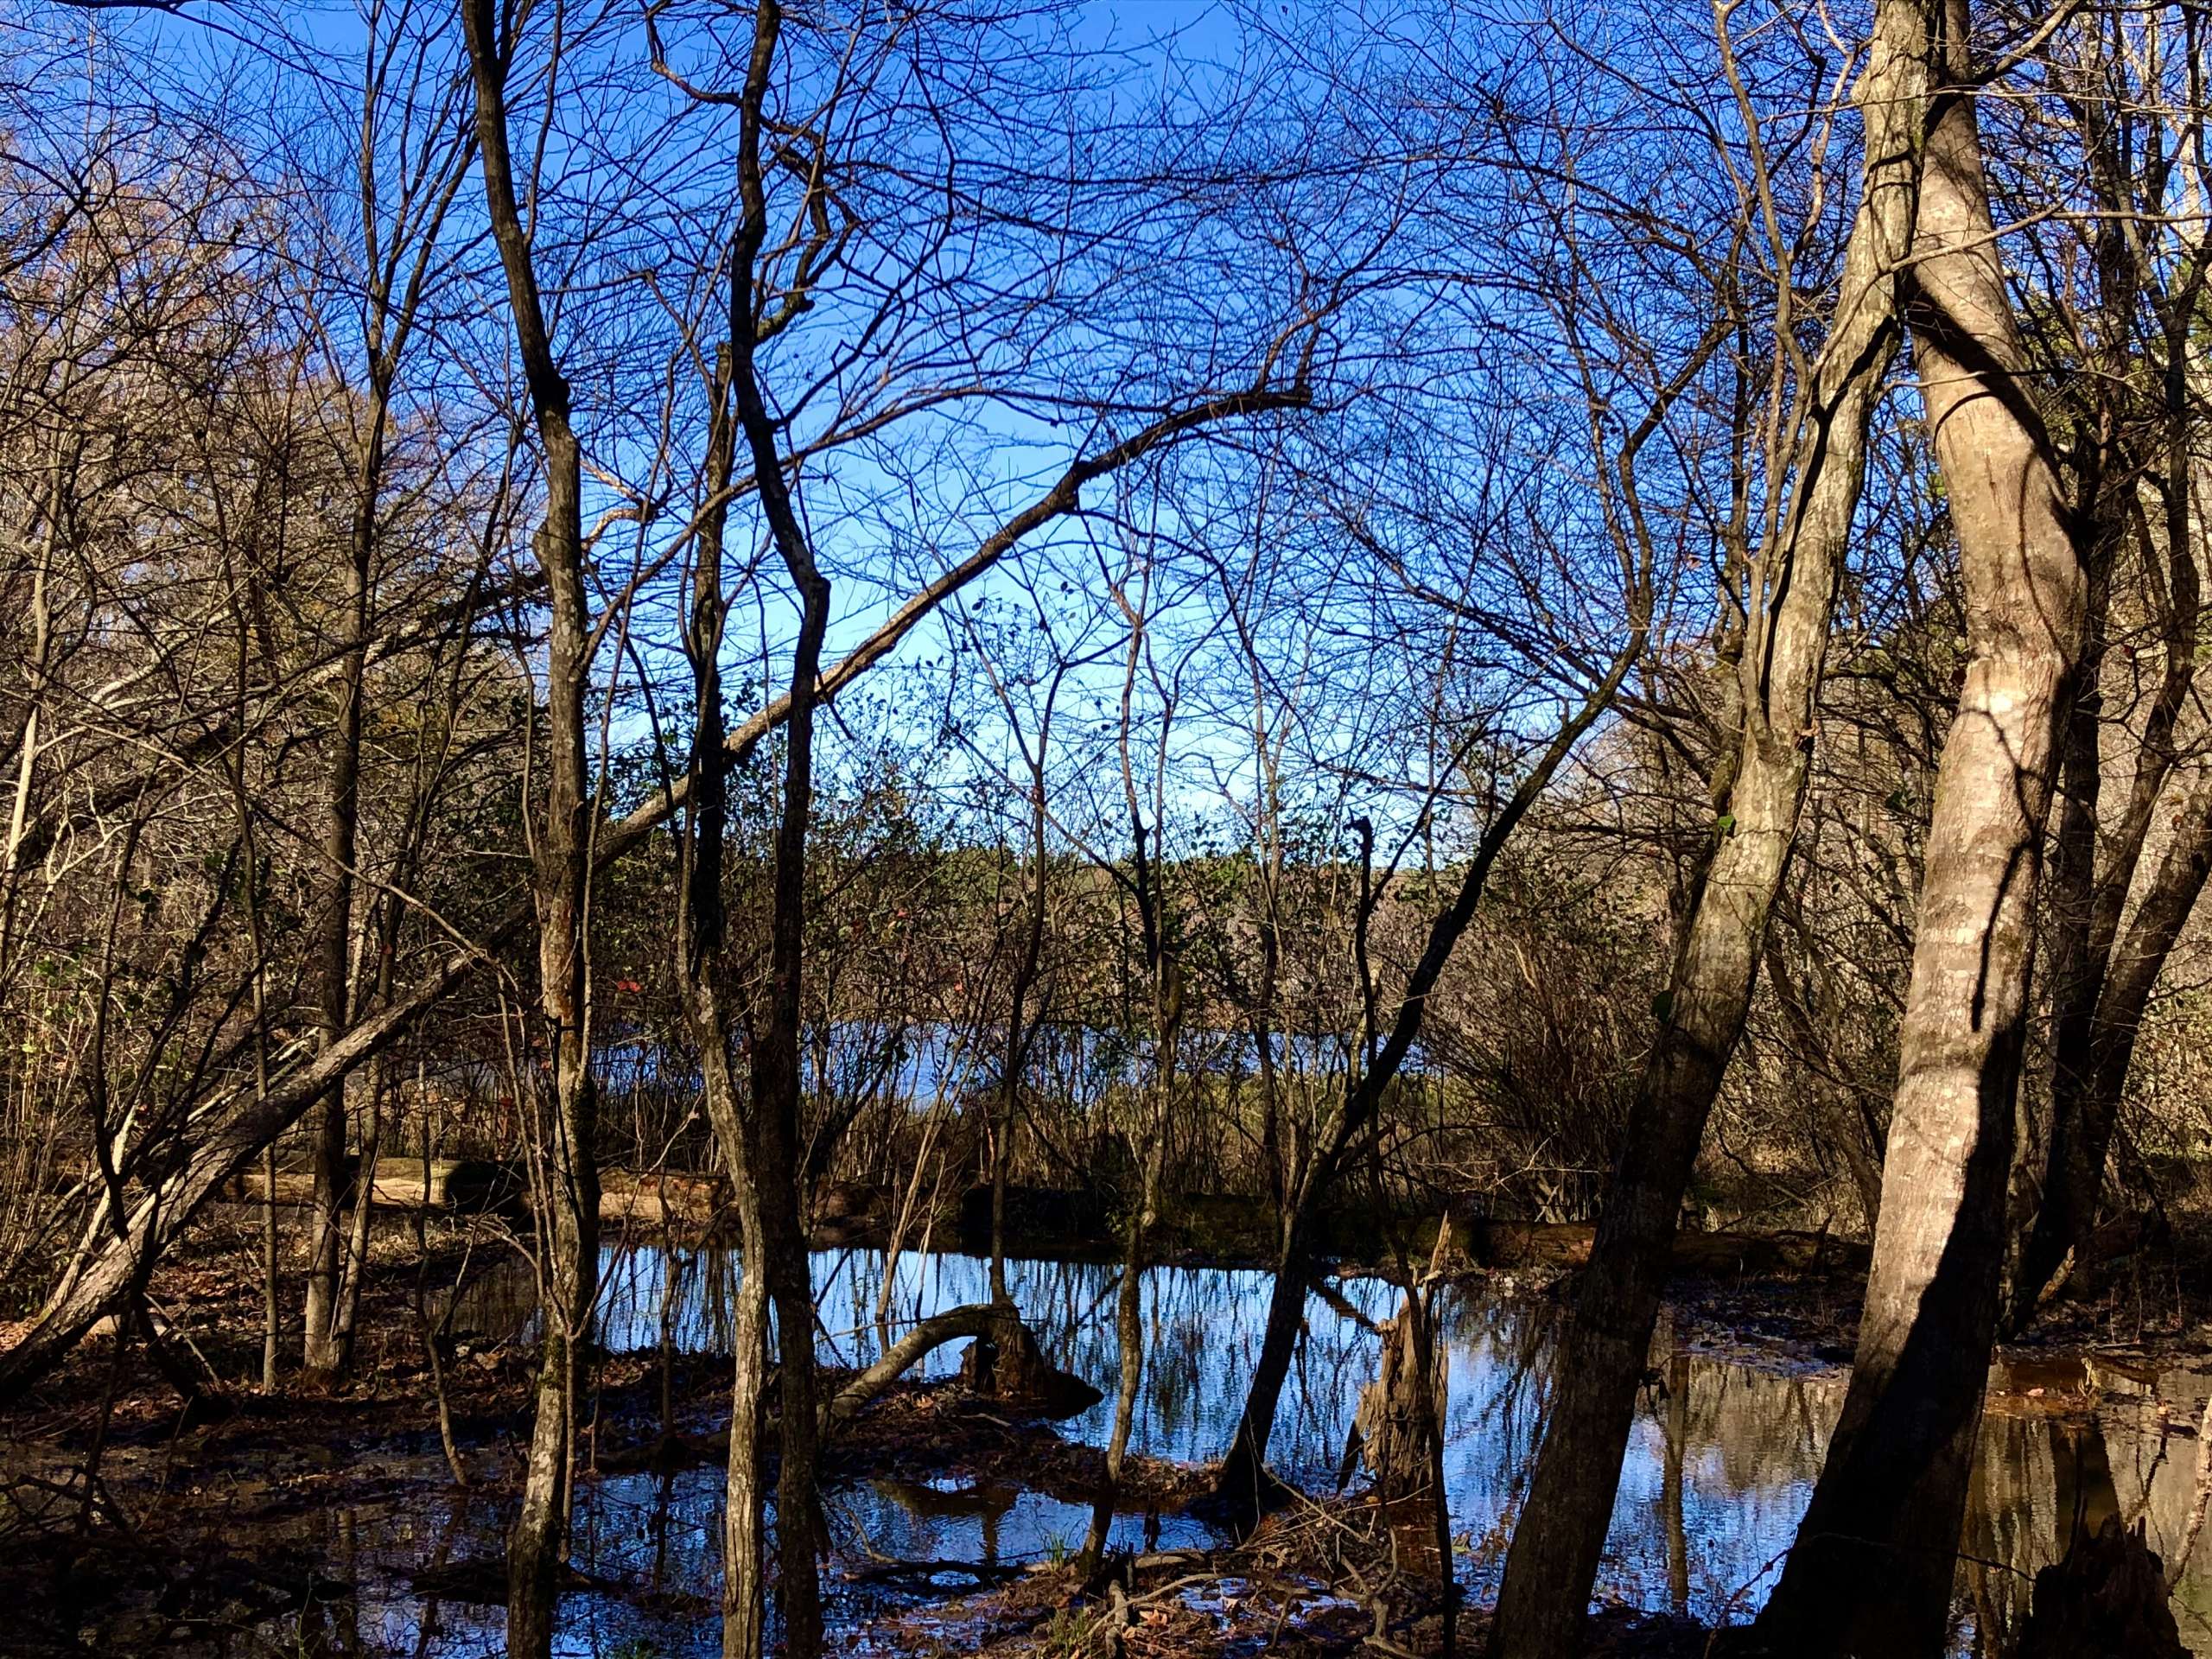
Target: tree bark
[
  {"x": 702, "y": 936},
  {"x": 2092, "y": 1074},
  {"x": 561, "y": 876},
  {"x": 744, "y": 1512},
  {"x": 1163, "y": 975},
  {"x": 1128, "y": 1302},
  {"x": 1394, "y": 1412},
  {"x": 1553, "y": 1560},
  {"x": 1129, "y": 1337},
  {"x": 982, "y": 1321},
  {"x": 1871, "y": 1569},
  {"x": 389, "y": 310},
  {"x": 776, "y": 1078},
  {"x": 2099, "y": 1005},
  {"x": 1008, "y": 1096},
  {"x": 700, "y": 939},
  {"x": 340, "y": 842},
  {"x": 1244, "y": 1483}
]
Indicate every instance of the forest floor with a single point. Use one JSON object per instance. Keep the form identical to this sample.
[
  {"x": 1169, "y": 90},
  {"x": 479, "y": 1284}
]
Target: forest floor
[{"x": 133, "y": 1522}]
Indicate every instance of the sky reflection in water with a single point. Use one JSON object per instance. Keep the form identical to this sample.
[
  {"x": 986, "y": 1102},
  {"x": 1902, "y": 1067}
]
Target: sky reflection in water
[{"x": 1719, "y": 1465}]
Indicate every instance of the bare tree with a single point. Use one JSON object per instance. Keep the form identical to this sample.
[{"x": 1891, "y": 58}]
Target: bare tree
[
  {"x": 1776, "y": 659},
  {"x": 2136, "y": 473},
  {"x": 1872, "y": 1565},
  {"x": 405, "y": 199},
  {"x": 563, "y": 863}
]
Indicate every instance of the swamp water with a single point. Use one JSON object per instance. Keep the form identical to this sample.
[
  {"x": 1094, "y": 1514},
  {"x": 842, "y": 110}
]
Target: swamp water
[{"x": 1719, "y": 1465}]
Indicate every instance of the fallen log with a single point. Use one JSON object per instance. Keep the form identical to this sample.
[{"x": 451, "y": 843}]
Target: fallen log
[
  {"x": 924, "y": 1577},
  {"x": 1492, "y": 1243},
  {"x": 1035, "y": 1382},
  {"x": 401, "y": 1183},
  {"x": 660, "y": 1199}
]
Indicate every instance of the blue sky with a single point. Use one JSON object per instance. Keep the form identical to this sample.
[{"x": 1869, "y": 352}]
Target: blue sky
[{"x": 1162, "y": 49}]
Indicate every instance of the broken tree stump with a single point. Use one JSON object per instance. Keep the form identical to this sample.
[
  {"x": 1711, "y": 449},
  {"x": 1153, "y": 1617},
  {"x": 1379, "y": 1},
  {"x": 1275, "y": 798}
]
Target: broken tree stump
[
  {"x": 2107, "y": 1599},
  {"x": 1392, "y": 1418},
  {"x": 1005, "y": 1362}
]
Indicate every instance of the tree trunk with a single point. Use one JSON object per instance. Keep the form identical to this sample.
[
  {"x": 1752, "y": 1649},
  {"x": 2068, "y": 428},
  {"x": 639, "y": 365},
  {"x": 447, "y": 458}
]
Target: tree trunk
[
  {"x": 272, "y": 1316},
  {"x": 702, "y": 936},
  {"x": 334, "y": 971},
  {"x": 2100, "y": 1008},
  {"x": 1872, "y": 1566},
  {"x": 1008, "y": 1096},
  {"x": 783, "y": 1269},
  {"x": 1244, "y": 1483},
  {"x": 568, "y": 1189},
  {"x": 1128, "y": 1331},
  {"x": 1016, "y": 1370},
  {"x": 1554, "y": 1558},
  {"x": 2089, "y": 1085},
  {"x": 699, "y": 943},
  {"x": 327, "y": 1342},
  {"x": 777, "y": 1081},
  {"x": 2107, "y": 1596},
  {"x": 345, "y": 1317},
  {"x": 744, "y": 1512},
  {"x": 1393, "y": 1418},
  {"x": 2077, "y": 964}
]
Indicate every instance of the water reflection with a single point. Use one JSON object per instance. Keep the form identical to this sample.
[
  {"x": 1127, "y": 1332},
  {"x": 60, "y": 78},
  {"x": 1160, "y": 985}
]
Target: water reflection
[{"x": 1720, "y": 1466}]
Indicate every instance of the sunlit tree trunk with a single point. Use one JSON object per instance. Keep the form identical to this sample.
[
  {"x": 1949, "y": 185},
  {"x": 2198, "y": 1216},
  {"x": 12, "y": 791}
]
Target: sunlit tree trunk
[
  {"x": 744, "y": 1514},
  {"x": 1129, "y": 1336},
  {"x": 396, "y": 259},
  {"x": 1871, "y": 1569},
  {"x": 744, "y": 1542},
  {"x": 702, "y": 938},
  {"x": 340, "y": 842},
  {"x": 1164, "y": 979},
  {"x": 1553, "y": 1560},
  {"x": 1008, "y": 1096},
  {"x": 776, "y": 1078}
]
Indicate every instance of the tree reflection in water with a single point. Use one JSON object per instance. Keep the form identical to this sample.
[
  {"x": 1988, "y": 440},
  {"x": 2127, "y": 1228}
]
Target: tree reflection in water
[{"x": 1718, "y": 1468}]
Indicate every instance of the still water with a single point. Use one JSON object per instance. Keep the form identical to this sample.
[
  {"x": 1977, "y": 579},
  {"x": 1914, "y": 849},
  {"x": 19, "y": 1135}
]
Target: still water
[{"x": 1718, "y": 1468}]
